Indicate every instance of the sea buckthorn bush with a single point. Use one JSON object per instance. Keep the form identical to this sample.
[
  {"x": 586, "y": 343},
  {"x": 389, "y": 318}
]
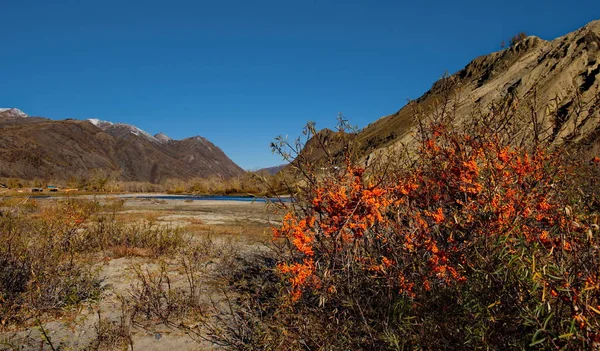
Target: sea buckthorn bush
[{"x": 476, "y": 240}]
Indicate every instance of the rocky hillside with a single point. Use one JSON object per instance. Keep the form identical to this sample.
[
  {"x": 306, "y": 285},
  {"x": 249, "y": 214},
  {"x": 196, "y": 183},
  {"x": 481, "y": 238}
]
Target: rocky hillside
[
  {"x": 270, "y": 170},
  {"x": 558, "y": 79},
  {"x": 33, "y": 147}
]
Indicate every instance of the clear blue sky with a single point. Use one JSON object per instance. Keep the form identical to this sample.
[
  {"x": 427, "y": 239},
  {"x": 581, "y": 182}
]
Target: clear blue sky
[{"x": 242, "y": 72}]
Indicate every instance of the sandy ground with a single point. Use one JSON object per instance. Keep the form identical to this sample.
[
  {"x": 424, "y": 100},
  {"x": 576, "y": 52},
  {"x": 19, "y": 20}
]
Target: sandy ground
[{"x": 242, "y": 224}]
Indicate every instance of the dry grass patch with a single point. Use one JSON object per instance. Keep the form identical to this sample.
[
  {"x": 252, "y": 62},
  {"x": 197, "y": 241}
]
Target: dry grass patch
[
  {"x": 250, "y": 233},
  {"x": 132, "y": 216},
  {"x": 55, "y": 261},
  {"x": 47, "y": 250}
]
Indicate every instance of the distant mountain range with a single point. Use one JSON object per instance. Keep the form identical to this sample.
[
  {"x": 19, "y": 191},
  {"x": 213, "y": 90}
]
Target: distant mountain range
[
  {"x": 271, "y": 170},
  {"x": 559, "y": 80},
  {"x": 35, "y": 147}
]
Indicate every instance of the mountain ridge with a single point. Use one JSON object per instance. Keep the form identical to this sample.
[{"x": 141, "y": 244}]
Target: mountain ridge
[
  {"x": 559, "y": 79},
  {"x": 37, "y": 147}
]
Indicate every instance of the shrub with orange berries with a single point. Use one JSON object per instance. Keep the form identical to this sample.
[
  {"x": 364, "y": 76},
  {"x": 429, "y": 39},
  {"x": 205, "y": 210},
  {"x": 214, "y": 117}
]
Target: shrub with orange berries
[{"x": 473, "y": 243}]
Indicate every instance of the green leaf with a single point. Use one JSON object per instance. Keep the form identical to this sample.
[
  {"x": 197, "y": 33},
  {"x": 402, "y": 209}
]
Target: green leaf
[
  {"x": 548, "y": 319},
  {"x": 537, "y": 342}
]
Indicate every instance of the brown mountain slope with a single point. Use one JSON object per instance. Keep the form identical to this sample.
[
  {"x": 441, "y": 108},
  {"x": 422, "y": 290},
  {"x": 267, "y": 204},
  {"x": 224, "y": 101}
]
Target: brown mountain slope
[
  {"x": 195, "y": 156},
  {"x": 558, "y": 79},
  {"x": 203, "y": 157},
  {"x": 41, "y": 148}
]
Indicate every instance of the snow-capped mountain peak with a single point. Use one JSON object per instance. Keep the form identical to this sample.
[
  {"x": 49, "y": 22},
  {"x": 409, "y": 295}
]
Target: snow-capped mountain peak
[
  {"x": 136, "y": 131},
  {"x": 14, "y": 112},
  {"x": 99, "y": 123},
  {"x": 121, "y": 129}
]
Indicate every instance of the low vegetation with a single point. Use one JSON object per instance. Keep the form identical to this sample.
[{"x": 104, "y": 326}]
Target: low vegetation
[
  {"x": 40, "y": 265},
  {"x": 56, "y": 259},
  {"x": 47, "y": 253}
]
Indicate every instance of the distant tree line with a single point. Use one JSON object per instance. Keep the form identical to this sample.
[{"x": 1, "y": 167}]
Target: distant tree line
[{"x": 250, "y": 183}]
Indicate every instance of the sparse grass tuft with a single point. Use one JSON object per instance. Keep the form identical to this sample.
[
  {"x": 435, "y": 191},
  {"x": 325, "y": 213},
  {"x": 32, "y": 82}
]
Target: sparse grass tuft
[{"x": 111, "y": 334}]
